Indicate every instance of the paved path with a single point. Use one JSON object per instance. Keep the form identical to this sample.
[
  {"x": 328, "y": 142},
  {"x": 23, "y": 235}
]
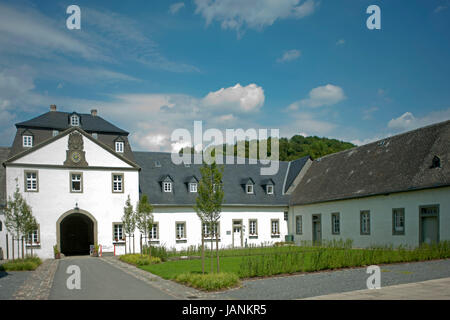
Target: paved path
[
  {"x": 101, "y": 280},
  {"x": 10, "y": 281},
  {"x": 438, "y": 289},
  {"x": 323, "y": 283}
]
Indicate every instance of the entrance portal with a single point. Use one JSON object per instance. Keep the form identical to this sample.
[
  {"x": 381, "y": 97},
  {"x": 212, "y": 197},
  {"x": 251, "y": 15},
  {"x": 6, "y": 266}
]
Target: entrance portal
[{"x": 76, "y": 234}]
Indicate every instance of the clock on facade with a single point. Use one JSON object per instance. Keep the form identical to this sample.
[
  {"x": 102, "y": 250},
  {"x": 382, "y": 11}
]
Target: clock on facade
[{"x": 76, "y": 156}]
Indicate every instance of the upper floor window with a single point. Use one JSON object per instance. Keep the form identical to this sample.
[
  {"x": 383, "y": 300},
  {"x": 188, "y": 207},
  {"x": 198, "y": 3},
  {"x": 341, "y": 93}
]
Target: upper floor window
[
  {"x": 119, "y": 146},
  {"x": 31, "y": 181},
  {"x": 76, "y": 182},
  {"x": 27, "y": 141},
  {"x": 117, "y": 182},
  {"x": 192, "y": 187},
  {"x": 365, "y": 222},
  {"x": 398, "y": 221},
  {"x": 249, "y": 188},
  {"x": 167, "y": 186},
  {"x": 74, "y": 120}
]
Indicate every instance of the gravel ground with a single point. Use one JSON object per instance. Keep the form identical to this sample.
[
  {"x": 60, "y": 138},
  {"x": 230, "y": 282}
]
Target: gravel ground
[
  {"x": 11, "y": 281},
  {"x": 321, "y": 283}
]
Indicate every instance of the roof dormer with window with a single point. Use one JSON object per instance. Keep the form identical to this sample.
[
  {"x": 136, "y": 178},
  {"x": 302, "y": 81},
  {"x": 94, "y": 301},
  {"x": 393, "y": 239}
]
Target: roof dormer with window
[
  {"x": 249, "y": 186},
  {"x": 192, "y": 184},
  {"x": 27, "y": 139},
  {"x": 74, "y": 120},
  {"x": 167, "y": 184},
  {"x": 119, "y": 145},
  {"x": 269, "y": 186}
]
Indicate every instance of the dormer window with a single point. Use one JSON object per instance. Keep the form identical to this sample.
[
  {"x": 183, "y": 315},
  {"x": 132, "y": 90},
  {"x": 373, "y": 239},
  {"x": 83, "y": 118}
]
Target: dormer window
[
  {"x": 436, "y": 162},
  {"x": 249, "y": 188},
  {"x": 94, "y": 135},
  {"x": 27, "y": 141},
  {"x": 55, "y": 133},
  {"x": 192, "y": 187},
  {"x": 74, "y": 120},
  {"x": 157, "y": 164},
  {"x": 167, "y": 186},
  {"x": 269, "y": 189},
  {"x": 119, "y": 146}
]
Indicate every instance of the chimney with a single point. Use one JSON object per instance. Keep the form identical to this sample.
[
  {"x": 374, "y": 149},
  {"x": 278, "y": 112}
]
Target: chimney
[
  {"x": 94, "y": 112},
  {"x": 53, "y": 107}
]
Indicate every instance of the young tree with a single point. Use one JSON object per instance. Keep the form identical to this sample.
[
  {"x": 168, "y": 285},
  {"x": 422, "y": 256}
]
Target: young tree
[
  {"x": 29, "y": 224},
  {"x": 18, "y": 216},
  {"x": 144, "y": 217},
  {"x": 129, "y": 220},
  {"x": 209, "y": 205}
]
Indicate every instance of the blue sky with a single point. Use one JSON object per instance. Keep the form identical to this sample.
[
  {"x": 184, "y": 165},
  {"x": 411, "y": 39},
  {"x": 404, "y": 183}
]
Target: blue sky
[{"x": 303, "y": 66}]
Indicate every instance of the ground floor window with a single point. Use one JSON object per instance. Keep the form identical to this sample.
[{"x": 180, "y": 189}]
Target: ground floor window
[
  {"x": 33, "y": 237},
  {"x": 207, "y": 230},
  {"x": 398, "y": 221},
  {"x": 275, "y": 227},
  {"x": 365, "y": 222},
  {"x": 253, "y": 227},
  {"x": 154, "y": 231},
  {"x": 181, "y": 230},
  {"x": 335, "y": 223},
  {"x": 118, "y": 232},
  {"x": 298, "y": 225}
]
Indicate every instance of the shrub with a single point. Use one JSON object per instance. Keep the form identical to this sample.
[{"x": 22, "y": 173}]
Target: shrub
[
  {"x": 27, "y": 264},
  {"x": 209, "y": 281},
  {"x": 139, "y": 259}
]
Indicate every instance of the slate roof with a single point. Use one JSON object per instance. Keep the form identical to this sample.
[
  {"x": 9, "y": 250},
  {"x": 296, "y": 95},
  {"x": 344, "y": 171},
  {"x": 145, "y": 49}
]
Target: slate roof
[
  {"x": 294, "y": 169},
  {"x": 233, "y": 177},
  {"x": 395, "y": 164},
  {"x": 60, "y": 121},
  {"x": 4, "y": 152}
]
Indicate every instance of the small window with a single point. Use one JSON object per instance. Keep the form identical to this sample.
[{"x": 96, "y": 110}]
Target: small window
[
  {"x": 74, "y": 121},
  {"x": 181, "y": 230},
  {"x": 436, "y": 162},
  {"x": 249, "y": 188},
  {"x": 154, "y": 231},
  {"x": 118, "y": 234},
  {"x": 192, "y": 187},
  {"x": 55, "y": 133},
  {"x": 157, "y": 164},
  {"x": 398, "y": 221},
  {"x": 275, "y": 227},
  {"x": 119, "y": 146},
  {"x": 335, "y": 223},
  {"x": 207, "y": 230},
  {"x": 167, "y": 186},
  {"x": 298, "y": 225},
  {"x": 286, "y": 216},
  {"x": 33, "y": 238},
  {"x": 76, "y": 182},
  {"x": 365, "y": 222},
  {"x": 269, "y": 189},
  {"x": 253, "y": 227},
  {"x": 31, "y": 181},
  {"x": 117, "y": 183},
  {"x": 95, "y": 135},
  {"x": 27, "y": 141}
]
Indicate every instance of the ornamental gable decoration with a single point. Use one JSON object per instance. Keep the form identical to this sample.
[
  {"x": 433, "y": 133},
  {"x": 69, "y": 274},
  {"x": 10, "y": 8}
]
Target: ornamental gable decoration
[{"x": 75, "y": 156}]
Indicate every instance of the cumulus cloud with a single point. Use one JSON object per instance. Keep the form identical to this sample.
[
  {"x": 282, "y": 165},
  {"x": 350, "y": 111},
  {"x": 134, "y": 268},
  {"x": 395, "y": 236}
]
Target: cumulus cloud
[
  {"x": 174, "y": 8},
  {"x": 327, "y": 95},
  {"x": 254, "y": 14},
  {"x": 408, "y": 121},
  {"x": 289, "y": 56},
  {"x": 239, "y": 98}
]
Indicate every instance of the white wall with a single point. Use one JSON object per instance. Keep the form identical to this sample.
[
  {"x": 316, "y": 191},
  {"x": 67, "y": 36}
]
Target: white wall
[{"x": 380, "y": 214}]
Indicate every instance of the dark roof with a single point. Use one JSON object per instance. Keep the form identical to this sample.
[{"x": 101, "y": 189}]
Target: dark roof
[
  {"x": 395, "y": 164},
  {"x": 294, "y": 169},
  {"x": 4, "y": 152},
  {"x": 234, "y": 174},
  {"x": 60, "y": 121}
]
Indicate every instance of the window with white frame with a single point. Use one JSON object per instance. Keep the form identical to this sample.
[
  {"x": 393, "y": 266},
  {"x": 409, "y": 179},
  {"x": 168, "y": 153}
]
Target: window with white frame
[
  {"x": 269, "y": 189},
  {"x": 398, "y": 220},
  {"x": 117, "y": 183},
  {"x": 154, "y": 232},
  {"x": 275, "y": 227},
  {"x": 298, "y": 225},
  {"x": 192, "y": 187},
  {"x": 207, "y": 230},
  {"x": 55, "y": 133},
  {"x": 365, "y": 222},
  {"x": 76, "y": 184},
  {"x": 27, "y": 141},
  {"x": 249, "y": 188},
  {"x": 95, "y": 135},
  {"x": 167, "y": 186},
  {"x": 33, "y": 237},
  {"x": 253, "y": 227},
  {"x": 119, "y": 146},
  {"x": 74, "y": 121},
  {"x": 335, "y": 223},
  {"x": 118, "y": 234},
  {"x": 181, "y": 230},
  {"x": 31, "y": 181}
]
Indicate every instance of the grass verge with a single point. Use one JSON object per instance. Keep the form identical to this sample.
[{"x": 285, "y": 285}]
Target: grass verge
[
  {"x": 27, "y": 264},
  {"x": 139, "y": 259},
  {"x": 209, "y": 281}
]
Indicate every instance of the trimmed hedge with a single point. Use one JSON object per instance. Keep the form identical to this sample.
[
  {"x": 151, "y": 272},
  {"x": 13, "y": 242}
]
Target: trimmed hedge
[
  {"x": 139, "y": 259},
  {"x": 27, "y": 264},
  {"x": 209, "y": 281}
]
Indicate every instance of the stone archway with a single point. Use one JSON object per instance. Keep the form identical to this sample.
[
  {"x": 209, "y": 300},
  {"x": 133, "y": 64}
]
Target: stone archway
[{"x": 76, "y": 230}]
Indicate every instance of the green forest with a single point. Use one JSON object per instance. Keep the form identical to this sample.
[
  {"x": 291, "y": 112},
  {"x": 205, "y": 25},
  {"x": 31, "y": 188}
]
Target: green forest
[{"x": 299, "y": 146}]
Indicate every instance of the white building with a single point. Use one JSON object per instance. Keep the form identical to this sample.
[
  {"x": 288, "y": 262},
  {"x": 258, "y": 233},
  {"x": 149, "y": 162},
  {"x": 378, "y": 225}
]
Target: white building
[{"x": 77, "y": 170}]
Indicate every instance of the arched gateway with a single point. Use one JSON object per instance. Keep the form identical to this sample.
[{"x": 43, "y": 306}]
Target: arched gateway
[{"x": 76, "y": 230}]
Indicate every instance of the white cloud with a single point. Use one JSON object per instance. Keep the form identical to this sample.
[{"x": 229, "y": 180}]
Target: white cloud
[
  {"x": 327, "y": 95},
  {"x": 440, "y": 8},
  {"x": 254, "y": 14},
  {"x": 174, "y": 8},
  {"x": 408, "y": 121},
  {"x": 340, "y": 42},
  {"x": 367, "y": 113},
  {"x": 289, "y": 56},
  {"x": 238, "y": 98}
]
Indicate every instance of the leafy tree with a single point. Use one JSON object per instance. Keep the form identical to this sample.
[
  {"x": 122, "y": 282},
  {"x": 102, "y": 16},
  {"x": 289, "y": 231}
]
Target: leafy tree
[
  {"x": 29, "y": 224},
  {"x": 144, "y": 218},
  {"x": 209, "y": 206},
  {"x": 129, "y": 219}
]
